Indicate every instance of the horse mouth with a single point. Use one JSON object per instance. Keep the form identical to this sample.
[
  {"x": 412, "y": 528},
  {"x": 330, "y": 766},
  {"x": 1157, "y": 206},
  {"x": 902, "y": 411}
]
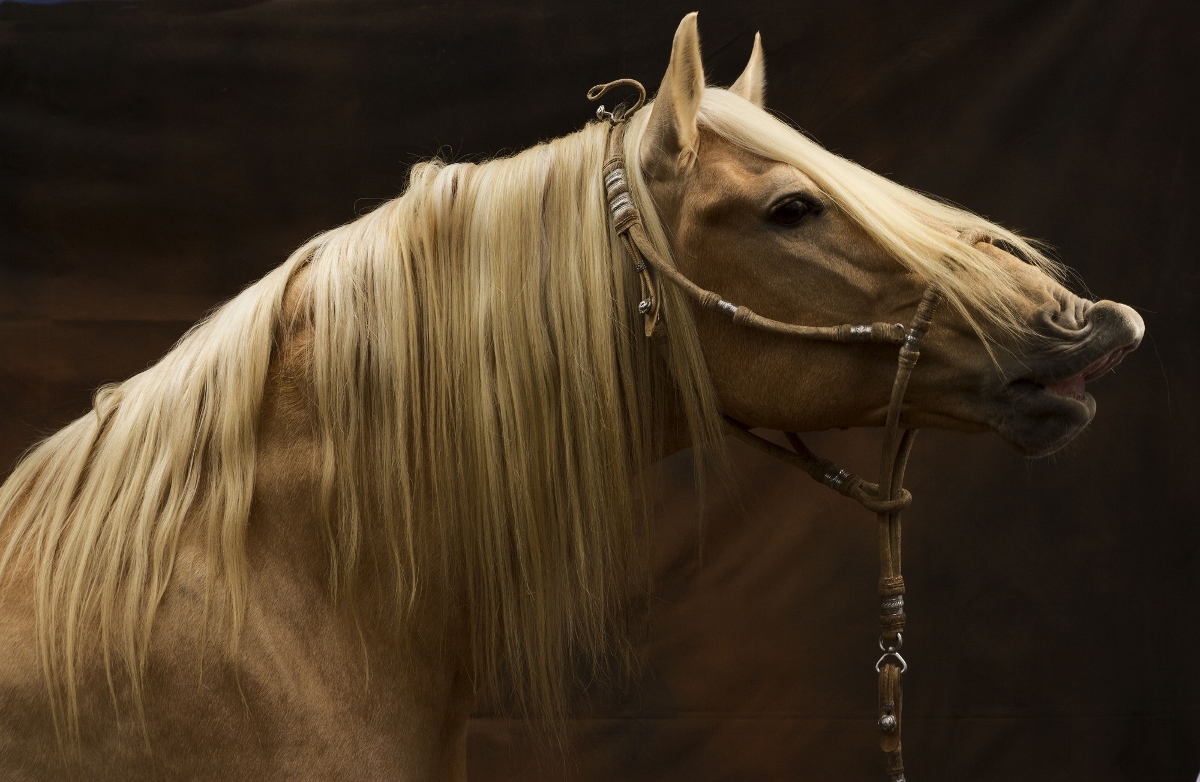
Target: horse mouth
[
  {"x": 1073, "y": 387},
  {"x": 1048, "y": 410}
]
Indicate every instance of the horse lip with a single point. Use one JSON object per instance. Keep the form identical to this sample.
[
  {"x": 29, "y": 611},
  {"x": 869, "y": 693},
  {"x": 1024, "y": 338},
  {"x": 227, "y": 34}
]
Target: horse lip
[
  {"x": 1111, "y": 332},
  {"x": 1107, "y": 362},
  {"x": 1038, "y": 420},
  {"x": 1090, "y": 371},
  {"x": 1066, "y": 389}
]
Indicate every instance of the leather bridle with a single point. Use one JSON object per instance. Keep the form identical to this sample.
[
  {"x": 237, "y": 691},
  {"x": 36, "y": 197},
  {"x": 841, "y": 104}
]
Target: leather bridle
[{"x": 888, "y": 497}]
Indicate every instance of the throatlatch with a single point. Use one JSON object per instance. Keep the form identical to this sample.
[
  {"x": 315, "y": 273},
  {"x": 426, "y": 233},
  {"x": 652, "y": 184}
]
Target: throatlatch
[{"x": 888, "y": 497}]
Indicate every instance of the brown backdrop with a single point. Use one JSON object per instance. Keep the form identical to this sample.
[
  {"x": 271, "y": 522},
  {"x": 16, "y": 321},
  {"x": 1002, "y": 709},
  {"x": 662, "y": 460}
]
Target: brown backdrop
[{"x": 156, "y": 158}]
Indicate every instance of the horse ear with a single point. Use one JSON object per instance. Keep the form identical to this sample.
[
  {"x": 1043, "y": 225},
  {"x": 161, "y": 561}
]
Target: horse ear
[
  {"x": 671, "y": 132},
  {"x": 752, "y": 84}
]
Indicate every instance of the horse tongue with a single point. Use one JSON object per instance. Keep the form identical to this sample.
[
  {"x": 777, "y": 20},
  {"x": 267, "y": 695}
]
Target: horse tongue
[{"x": 1072, "y": 387}]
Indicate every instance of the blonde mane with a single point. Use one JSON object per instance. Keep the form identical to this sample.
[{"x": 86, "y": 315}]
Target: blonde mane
[
  {"x": 486, "y": 410},
  {"x": 484, "y": 401}
]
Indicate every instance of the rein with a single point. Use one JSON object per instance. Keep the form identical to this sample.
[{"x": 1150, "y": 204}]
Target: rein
[{"x": 888, "y": 497}]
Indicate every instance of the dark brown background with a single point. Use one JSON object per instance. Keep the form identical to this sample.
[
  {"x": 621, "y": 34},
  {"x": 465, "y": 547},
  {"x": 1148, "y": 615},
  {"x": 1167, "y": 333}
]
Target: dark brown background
[{"x": 157, "y": 158}]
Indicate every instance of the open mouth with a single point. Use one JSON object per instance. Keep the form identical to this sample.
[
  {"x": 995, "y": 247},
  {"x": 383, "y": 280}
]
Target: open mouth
[
  {"x": 1048, "y": 406},
  {"x": 1073, "y": 387},
  {"x": 1044, "y": 414}
]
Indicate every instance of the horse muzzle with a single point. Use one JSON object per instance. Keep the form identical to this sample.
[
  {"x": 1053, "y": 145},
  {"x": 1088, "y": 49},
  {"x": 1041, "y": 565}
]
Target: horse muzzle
[{"x": 1047, "y": 404}]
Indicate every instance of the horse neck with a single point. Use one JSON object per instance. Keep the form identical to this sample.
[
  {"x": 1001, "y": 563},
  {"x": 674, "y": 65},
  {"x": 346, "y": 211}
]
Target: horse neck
[
  {"x": 287, "y": 531},
  {"x": 421, "y": 660}
]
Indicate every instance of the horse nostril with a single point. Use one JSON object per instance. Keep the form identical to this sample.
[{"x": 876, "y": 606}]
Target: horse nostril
[{"x": 1083, "y": 306}]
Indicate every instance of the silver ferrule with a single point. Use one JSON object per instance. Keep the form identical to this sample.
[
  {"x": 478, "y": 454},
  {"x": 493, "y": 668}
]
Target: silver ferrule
[
  {"x": 860, "y": 332},
  {"x": 728, "y": 307},
  {"x": 622, "y": 208},
  {"x": 836, "y": 477},
  {"x": 891, "y": 606},
  {"x": 618, "y": 175}
]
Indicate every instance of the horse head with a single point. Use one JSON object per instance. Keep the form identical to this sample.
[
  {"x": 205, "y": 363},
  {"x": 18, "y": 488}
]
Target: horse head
[{"x": 761, "y": 214}]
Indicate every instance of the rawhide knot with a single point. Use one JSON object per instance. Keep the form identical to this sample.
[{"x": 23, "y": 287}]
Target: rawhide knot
[
  {"x": 867, "y": 495},
  {"x": 891, "y": 585}
]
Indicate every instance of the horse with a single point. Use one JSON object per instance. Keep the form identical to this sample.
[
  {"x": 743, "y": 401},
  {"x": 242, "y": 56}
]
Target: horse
[{"x": 410, "y": 467}]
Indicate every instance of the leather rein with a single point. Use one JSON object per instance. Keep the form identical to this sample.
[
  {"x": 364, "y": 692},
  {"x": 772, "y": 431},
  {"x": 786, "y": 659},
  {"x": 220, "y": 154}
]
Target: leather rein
[{"x": 888, "y": 497}]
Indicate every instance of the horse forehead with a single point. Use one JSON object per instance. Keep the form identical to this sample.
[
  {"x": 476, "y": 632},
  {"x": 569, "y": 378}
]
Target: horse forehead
[{"x": 725, "y": 172}]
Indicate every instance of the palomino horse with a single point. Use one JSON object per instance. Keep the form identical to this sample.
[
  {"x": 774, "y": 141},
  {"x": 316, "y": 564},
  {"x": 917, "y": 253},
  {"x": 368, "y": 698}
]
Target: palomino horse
[{"x": 411, "y": 462}]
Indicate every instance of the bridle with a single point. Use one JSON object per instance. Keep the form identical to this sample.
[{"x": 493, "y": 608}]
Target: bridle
[{"x": 888, "y": 497}]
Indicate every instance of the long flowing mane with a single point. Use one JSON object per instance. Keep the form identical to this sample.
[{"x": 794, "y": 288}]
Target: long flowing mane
[{"x": 484, "y": 403}]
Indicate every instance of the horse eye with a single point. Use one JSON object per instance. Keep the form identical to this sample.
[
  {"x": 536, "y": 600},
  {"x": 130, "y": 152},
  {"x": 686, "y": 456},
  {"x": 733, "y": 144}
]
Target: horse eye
[{"x": 791, "y": 211}]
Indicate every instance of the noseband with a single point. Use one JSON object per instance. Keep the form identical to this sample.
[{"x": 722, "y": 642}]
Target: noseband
[{"x": 887, "y": 498}]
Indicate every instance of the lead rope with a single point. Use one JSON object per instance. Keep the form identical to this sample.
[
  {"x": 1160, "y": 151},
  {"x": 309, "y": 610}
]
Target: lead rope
[
  {"x": 897, "y": 445},
  {"x": 893, "y": 461},
  {"x": 887, "y": 498}
]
